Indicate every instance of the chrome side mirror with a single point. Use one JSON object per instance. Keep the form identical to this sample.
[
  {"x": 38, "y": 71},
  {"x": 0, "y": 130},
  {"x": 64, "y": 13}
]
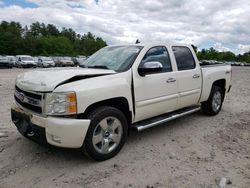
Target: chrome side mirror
[{"x": 150, "y": 67}]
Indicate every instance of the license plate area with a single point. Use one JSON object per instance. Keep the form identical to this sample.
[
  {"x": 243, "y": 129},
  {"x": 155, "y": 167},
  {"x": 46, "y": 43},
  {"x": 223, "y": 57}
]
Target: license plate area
[
  {"x": 21, "y": 120},
  {"x": 27, "y": 128}
]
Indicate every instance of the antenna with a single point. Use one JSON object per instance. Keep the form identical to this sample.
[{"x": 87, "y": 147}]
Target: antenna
[{"x": 137, "y": 41}]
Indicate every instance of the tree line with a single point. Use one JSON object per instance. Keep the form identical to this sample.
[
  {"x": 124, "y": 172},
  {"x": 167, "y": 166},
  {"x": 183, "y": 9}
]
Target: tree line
[
  {"x": 42, "y": 39},
  {"x": 212, "y": 54}
]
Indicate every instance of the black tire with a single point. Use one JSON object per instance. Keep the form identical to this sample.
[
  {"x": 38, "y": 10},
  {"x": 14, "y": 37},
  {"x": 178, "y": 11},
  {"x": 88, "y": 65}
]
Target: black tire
[
  {"x": 207, "y": 106},
  {"x": 96, "y": 116}
]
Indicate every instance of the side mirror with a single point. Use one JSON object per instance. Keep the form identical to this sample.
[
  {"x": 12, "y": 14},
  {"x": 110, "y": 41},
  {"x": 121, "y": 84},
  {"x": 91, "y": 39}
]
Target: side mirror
[{"x": 150, "y": 67}]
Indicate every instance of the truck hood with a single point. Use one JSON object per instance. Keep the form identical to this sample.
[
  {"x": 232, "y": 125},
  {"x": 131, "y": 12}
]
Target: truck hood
[{"x": 48, "y": 80}]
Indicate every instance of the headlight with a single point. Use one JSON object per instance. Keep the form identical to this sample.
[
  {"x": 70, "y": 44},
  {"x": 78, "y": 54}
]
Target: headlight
[{"x": 61, "y": 103}]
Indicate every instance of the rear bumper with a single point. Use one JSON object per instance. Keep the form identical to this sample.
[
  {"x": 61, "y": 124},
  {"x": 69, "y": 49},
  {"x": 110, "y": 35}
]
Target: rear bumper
[{"x": 61, "y": 132}]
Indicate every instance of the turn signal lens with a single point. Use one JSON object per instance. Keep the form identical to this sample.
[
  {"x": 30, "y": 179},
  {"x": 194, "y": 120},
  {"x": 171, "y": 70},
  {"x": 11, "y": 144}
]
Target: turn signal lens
[
  {"x": 72, "y": 97},
  {"x": 72, "y": 102}
]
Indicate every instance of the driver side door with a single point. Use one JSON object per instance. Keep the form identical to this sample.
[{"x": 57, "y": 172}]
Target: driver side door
[{"x": 155, "y": 92}]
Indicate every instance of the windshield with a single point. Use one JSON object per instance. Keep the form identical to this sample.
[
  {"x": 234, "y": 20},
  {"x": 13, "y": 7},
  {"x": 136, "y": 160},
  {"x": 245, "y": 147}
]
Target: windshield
[
  {"x": 117, "y": 58},
  {"x": 27, "y": 58}
]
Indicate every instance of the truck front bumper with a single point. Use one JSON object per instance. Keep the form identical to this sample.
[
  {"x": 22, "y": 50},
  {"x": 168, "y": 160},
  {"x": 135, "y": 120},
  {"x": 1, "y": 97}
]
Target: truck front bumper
[{"x": 61, "y": 132}]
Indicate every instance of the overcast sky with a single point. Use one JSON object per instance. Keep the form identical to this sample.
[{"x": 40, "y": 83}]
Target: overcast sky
[{"x": 221, "y": 24}]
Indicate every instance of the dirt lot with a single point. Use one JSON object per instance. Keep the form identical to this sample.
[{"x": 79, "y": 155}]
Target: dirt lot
[{"x": 194, "y": 151}]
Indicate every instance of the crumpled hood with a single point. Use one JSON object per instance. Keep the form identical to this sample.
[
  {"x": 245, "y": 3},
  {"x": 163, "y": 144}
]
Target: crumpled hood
[{"x": 49, "y": 79}]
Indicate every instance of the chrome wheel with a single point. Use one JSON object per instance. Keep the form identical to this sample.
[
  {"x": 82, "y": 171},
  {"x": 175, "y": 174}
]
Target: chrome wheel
[
  {"x": 107, "y": 135},
  {"x": 216, "y": 102}
]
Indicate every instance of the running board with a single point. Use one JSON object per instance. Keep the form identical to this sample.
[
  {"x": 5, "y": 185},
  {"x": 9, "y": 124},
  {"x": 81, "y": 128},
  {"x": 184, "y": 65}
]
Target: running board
[{"x": 145, "y": 124}]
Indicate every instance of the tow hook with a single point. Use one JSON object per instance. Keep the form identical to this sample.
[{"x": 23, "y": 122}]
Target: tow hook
[{"x": 30, "y": 134}]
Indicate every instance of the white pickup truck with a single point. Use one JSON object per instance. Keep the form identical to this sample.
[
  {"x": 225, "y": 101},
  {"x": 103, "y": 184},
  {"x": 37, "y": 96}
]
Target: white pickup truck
[{"x": 119, "y": 88}]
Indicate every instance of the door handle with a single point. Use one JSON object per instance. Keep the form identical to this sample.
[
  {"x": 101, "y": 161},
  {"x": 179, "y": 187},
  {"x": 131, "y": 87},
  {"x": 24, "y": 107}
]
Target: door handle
[
  {"x": 196, "y": 76},
  {"x": 171, "y": 80}
]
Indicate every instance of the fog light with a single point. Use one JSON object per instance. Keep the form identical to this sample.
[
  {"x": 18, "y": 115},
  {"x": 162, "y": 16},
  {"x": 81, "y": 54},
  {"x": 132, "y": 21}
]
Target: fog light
[{"x": 56, "y": 139}]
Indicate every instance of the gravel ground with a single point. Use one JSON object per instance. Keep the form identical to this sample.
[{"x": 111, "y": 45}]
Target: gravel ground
[{"x": 194, "y": 151}]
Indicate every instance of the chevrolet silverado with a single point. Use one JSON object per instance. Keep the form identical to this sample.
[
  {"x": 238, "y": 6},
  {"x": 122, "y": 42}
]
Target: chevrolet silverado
[{"x": 117, "y": 89}]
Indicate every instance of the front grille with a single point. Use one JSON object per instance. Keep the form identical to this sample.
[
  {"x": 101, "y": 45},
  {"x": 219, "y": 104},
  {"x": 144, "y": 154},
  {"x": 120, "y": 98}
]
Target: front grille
[
  {"x": 28, "y": 94},
  {"x": 28, "y": 100}
]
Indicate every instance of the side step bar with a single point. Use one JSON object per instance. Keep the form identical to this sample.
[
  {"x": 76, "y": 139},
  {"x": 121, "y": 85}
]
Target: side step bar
[{"x": 145, "y": 124}]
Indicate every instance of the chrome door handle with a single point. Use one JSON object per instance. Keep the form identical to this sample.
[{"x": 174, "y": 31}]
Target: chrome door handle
[
  {"x": 171, "y": 80},
  {"x": 196, "y": 76}
]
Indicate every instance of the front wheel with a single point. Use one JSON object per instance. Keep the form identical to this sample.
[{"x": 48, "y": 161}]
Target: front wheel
[
  {"x": 214, "y": 103},
  {"x": 107, "y": 133}
]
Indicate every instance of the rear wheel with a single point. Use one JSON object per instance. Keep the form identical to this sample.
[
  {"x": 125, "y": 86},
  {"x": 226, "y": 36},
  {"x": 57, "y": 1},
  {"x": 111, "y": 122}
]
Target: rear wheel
[
  {"x": 214, "y": 103},
  {"x": 107, "y": 133}
]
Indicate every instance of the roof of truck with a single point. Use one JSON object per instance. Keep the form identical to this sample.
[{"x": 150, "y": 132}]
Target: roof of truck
[{"x": 153, "y": 44}]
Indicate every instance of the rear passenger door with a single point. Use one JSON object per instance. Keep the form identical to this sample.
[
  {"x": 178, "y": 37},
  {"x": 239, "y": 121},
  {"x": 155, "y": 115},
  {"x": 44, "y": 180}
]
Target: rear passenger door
[{"x": 188, "y": 76}]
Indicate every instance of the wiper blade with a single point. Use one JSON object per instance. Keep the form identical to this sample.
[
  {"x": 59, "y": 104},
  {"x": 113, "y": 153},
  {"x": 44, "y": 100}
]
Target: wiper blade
[{"x": 98, "y": 67}]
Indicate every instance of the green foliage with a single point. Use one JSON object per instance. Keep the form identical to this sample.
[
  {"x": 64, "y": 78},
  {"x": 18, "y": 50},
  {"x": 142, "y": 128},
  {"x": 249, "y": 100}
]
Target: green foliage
[
  {"x": 41, "y": 39},
  {"x": 212, "y": 54},
  {"x": 10, "y": 38},
  {"x": 245, "y": 57}
]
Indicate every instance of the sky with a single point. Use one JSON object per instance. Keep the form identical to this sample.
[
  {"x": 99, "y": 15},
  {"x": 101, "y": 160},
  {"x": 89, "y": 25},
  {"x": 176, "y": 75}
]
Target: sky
[{"x": 221, "y": 24}]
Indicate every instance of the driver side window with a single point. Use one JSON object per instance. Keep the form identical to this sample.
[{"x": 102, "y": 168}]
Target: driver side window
[{"x": 159, "y": 54}]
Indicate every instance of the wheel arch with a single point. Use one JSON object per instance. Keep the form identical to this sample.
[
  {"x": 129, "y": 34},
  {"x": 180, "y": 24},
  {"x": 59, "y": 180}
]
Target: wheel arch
[
  {"x": 120, "y": 103},
  {"x": 220, "y": 83}
]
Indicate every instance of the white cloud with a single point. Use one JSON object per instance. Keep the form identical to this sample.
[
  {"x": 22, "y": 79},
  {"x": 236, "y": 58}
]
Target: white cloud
[
  {"x": 219, "y": 47},
  {"x": 186, "y": 21},
  {"x": 243, "y": 48}
]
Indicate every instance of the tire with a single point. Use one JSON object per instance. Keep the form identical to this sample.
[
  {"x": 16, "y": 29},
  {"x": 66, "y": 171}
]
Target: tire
[
  {"x": 214, "y": 103},
  {"x": 107, "y": 133}
]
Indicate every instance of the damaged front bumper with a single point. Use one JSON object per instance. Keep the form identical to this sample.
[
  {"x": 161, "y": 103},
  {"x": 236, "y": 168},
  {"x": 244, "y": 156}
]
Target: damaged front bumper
[{"x": 57, "y": 131}]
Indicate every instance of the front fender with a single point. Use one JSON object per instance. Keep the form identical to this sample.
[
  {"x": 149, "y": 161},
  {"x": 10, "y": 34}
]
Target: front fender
[{"x": 97, "y": 89}]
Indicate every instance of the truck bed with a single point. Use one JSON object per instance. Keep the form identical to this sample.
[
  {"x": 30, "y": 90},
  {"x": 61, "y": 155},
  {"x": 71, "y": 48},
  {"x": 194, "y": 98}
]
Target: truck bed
[
  {"x": 210, "y": 73},
  {"x": 204, "y": 65}
]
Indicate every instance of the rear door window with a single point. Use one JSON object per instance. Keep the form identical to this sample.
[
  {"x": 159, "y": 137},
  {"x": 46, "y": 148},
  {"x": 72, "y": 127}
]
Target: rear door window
[{"x": 184, "y": 58}]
